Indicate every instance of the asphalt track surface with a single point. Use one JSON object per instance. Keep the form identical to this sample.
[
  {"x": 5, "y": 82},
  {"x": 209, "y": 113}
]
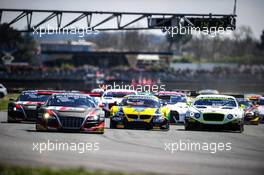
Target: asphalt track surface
[{"x": 136, "y": 150}]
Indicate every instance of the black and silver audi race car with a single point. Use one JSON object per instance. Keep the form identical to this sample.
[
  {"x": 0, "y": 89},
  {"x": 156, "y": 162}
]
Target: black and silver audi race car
[
  {"x": 25, "y": 107},
  {"x": 70, "y": 112}
]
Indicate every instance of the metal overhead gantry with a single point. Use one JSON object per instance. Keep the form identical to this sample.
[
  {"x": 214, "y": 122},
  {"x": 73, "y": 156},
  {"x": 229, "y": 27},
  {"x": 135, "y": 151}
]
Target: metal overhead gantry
[{"x": 123, "y": 20}]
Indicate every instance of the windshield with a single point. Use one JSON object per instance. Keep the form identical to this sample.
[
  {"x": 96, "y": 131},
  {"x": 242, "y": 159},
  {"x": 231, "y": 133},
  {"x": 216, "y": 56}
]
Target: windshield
[
  {"x": 165, "y": 98},
  {"x": 34, "y": 97},
  {"x": 215, "y": 102},
  {"x": 178, "y": 99},
  {"x": 118, "y": 94},
  {"x": 245, "y": 103},
  {"x": 172, "y": 99},
  {"x": 140, "y": 103},
  {"x": 70, "y": 101}
]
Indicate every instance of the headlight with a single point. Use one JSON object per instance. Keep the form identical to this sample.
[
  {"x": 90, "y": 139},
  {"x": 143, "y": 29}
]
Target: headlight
[
  {"x": 230, "y": 116},
  {"x": 46, "y": 115},
  {"x": 94, "y": 117},
  {"x": 191, "y": 114},
  {"x": 197, "y": 115},
  {"x": 158, "y": 119}
]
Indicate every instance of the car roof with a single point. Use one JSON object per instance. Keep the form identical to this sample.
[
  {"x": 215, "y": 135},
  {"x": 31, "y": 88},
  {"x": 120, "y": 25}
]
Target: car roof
[
  {"x": 119, "y": 90},
  {"x": 215, "y": 96},
  {"x": 170, "y": 93},
  {"x": 142, "y": 97}
]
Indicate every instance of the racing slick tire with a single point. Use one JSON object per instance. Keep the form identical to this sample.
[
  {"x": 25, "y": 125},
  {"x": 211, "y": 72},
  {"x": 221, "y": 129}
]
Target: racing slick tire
[
  {"x": 2, "y": 95},
  {"x": 166, "y": 128},
  {"x": 240, "y": 128},
  {"x": 12, "y": 120},
  {"x": 112, "y": 124},
  {"x": 188, "y": 126}
]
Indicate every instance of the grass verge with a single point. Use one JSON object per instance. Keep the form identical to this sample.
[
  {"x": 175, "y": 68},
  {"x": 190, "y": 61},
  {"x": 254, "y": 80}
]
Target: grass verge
[
  {"x": 17, "y": 170},
  {"x": 4, "y": 101}
]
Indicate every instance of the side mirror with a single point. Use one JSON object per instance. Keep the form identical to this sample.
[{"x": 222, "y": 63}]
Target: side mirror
[{"x": 38, "y": 105}]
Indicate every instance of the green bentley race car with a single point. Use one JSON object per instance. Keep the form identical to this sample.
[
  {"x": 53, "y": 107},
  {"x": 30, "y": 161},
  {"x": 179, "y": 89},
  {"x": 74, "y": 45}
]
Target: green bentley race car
[{"x": 216, "y": 111}]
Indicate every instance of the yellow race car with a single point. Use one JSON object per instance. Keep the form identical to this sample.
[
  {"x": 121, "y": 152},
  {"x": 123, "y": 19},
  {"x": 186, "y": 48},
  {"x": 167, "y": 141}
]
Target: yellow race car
[{"x": 140, "y": 111}]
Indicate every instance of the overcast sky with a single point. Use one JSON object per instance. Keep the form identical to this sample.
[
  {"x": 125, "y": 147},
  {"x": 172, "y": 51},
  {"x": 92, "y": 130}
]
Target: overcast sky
[{"x": 250, "y": 12}]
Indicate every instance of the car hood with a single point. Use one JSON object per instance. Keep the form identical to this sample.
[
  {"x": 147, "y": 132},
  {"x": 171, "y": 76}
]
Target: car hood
[
  {"x": 213, "y": 109},
  {"x": 111, "y": 100},
  {"x": 29, "y": 103},
  {"x": 72, "y": 111},
  {"x": 178, "y": 107},
  {"x": 139, "y": 110}
]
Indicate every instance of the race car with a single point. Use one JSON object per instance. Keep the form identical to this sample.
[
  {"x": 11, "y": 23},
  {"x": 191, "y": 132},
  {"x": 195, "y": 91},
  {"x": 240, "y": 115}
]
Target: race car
[
  {"x": 70, "y": 112},
  {"x": 208, "y": 92},
  {"x": 216, "y": 111},
  {"x": 177, "y": 103},
  {"x": 250, "y": 112},
  {"x": 25, "y": 107},
  {"x": 254, "y": 98},
  {"x": 260, "y": 109},
  {"x": 3, "y": 91},
  {"x": 113, "y": 97},
  {"x": 140, "y": 111}
]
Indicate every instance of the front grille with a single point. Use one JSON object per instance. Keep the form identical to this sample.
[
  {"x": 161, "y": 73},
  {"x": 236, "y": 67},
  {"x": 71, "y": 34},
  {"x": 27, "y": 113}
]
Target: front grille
[
  {"x": 71, "y": 122},
  {"x": 145, "y": 117},
  {"x": 131, "y": 116},
  {"x": 31, "y": 114},
  {"x": 174, "y": 115},
  {"x": 213, "y": 117}
]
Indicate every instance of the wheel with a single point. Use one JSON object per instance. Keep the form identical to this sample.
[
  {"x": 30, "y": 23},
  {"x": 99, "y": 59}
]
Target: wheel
[
  {"x": 112, "y": 125},
  {"x": 188, "y": 126},
  {"x": 240, "y": 128},
  {"x": 166, "y": 128},
  {"x": 10, "y": 120},
  {"x": 37, "y": 128},
  {"x": 107, "y": 114},
  {"x": 2, "y": 95}
]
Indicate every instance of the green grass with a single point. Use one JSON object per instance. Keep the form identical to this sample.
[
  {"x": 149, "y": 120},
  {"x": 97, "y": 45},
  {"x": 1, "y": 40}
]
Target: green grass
[
  {"x": 4, "y": 101},
  {"x": 17, "y": 170}
]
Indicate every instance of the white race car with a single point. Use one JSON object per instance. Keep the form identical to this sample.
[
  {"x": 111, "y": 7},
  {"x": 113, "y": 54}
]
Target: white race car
[
  {"x": 177, "y": 103},
  {"x": 217, "y": 111},
  {"x": 112, "y": 97},
  {"x": 260, "y": 108}
]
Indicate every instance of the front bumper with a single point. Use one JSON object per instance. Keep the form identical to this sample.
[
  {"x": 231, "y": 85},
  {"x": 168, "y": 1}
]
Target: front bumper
[
  {"x": 22, "y": 115},
  {"x": 228, "y": 125},
  {"x": 124, "y": 122},
  {"x": 55, "y": 125}
]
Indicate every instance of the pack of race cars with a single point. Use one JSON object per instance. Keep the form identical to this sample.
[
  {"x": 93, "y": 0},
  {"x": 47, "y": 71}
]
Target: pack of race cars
[{"x": 86, "y": 112}]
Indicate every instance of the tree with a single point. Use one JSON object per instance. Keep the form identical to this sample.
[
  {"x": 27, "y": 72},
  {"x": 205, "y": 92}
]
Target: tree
[{"x": 21, "y": 46}]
